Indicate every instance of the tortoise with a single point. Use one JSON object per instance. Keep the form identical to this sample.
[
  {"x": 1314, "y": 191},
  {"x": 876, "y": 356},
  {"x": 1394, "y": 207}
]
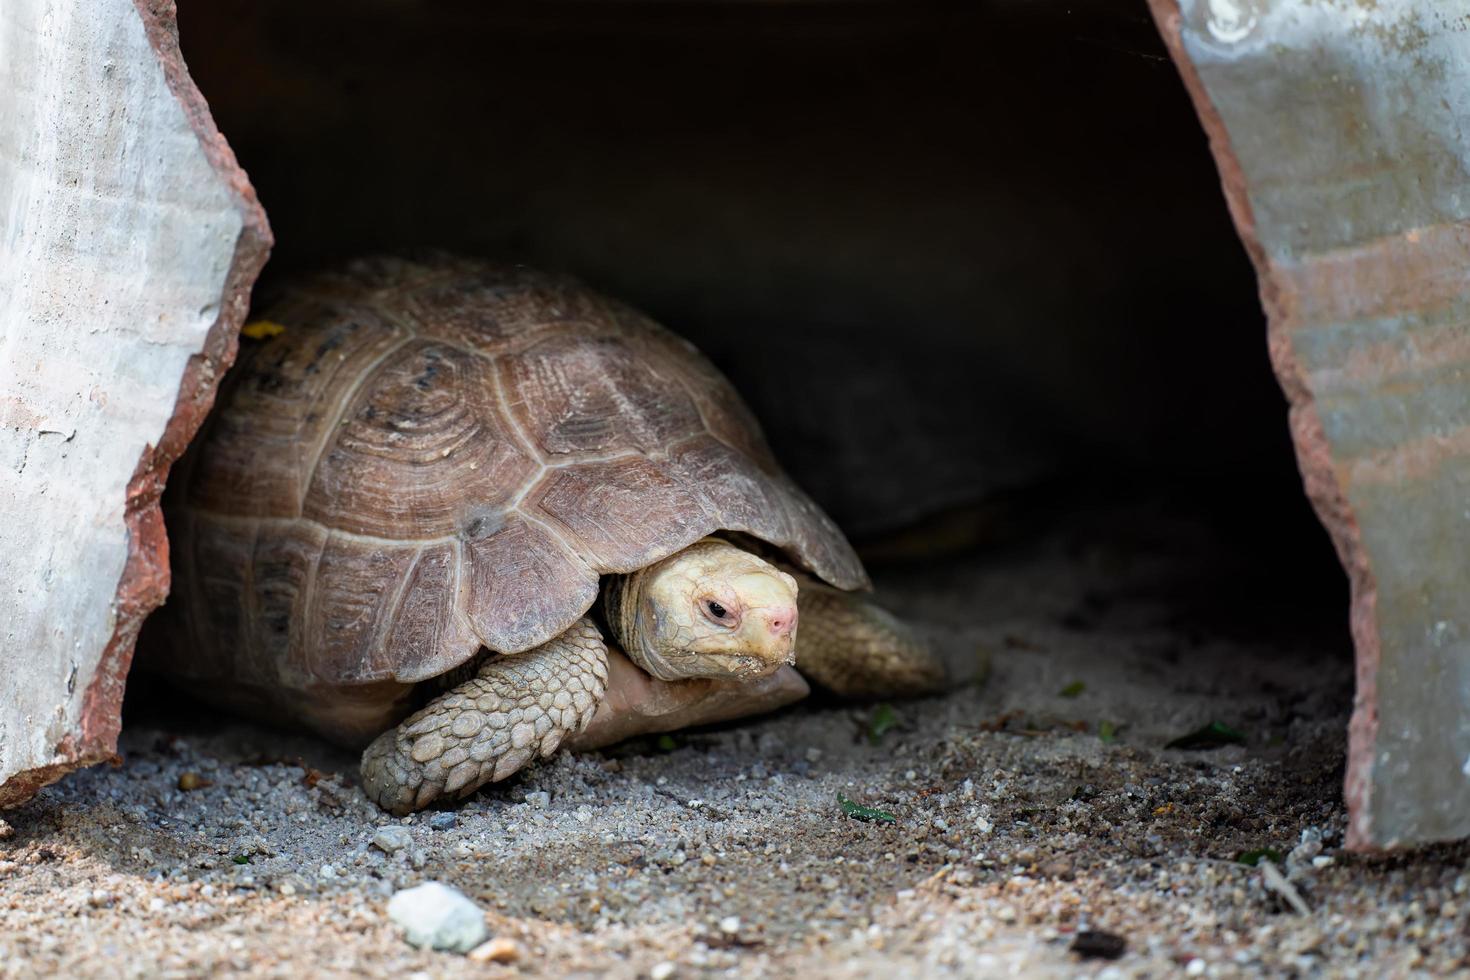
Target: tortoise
[{"x": 398, "y": 522}]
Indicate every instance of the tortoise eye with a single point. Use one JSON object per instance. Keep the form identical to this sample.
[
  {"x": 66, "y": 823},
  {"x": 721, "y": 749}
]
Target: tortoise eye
[{"x": 717, "y": 613}]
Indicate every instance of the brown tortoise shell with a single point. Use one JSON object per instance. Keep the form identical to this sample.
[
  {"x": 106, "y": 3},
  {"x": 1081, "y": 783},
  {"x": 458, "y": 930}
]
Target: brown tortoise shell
[{"x": 439, "y": 455}]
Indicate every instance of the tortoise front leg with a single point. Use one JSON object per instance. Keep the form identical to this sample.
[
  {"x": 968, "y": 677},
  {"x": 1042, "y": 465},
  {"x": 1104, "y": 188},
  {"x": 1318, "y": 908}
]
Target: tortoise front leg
[
  {"x": 515, "y": 708},
  {"x": 858, "y": 650}
]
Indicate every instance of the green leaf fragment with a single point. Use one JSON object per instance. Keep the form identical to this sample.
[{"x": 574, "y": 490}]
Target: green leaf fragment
[
  {"x": 865, "y": 813},
  {"x": 241, "y": 859},
  {"x": 1107, "y": 732},
  {"x": 666, "y": 743},
  {"x": 1253, "y": 858},
  {"x": 1212, "y": 736},
  {"x": 1072, "y": 690},
  {"x": 884, "y": 718}
]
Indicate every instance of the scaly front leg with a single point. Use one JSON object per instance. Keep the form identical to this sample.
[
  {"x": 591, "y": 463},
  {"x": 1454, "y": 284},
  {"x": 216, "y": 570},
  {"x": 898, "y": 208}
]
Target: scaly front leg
[{"x": 516, "y": 708}]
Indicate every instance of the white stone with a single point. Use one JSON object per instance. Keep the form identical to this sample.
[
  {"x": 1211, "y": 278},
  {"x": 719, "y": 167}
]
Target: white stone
[
  {"x": 435, "y": 916},
  {"x": 392, "y": 839},
  {"x": 662, "y": 971}
]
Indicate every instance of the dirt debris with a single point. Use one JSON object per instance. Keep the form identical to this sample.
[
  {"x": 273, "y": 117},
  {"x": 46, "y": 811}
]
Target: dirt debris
[{"x": 1023, "y": 827}]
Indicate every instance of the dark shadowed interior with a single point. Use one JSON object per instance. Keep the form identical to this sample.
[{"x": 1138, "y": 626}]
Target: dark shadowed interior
[{"x": 969, "y": 263}]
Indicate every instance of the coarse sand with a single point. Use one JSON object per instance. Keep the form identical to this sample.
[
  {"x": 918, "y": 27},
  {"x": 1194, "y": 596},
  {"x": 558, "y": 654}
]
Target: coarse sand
[{"x": 1039, "y": 819}]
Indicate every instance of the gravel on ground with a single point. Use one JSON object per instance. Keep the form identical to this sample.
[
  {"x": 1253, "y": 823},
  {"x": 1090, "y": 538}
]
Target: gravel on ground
[{"x": 1039, "y": 824}]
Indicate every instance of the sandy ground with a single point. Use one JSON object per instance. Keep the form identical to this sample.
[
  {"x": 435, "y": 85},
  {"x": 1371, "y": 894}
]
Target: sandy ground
[{"x": 1023, "y": 818}]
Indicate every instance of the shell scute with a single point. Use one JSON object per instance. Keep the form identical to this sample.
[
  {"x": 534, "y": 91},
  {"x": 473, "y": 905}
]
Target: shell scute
[
  {"x": 525, "y": 585},
  {"x": 422, "y": 446},
  {"x": 574, "y": 395},
  {"x": 284, "y": 400},
  {"x": 352, "y": 609},
  {"x": 492, "y": 309},
  {"x": 623, "y": 513}
]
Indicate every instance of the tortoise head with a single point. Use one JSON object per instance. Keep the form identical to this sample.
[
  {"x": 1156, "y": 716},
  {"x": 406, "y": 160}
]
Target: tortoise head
[{"x": 711, "y": 610}]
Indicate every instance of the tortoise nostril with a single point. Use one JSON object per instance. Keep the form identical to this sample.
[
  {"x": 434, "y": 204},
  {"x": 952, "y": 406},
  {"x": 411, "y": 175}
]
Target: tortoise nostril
[{"x": 782, "y": 621}]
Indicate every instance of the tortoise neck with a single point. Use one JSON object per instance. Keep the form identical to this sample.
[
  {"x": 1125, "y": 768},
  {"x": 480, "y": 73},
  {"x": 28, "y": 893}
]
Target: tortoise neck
[{"x": 621, "y": 597}]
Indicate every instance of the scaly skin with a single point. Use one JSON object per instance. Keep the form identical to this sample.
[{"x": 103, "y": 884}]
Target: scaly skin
[
  {"x": 515, "y": 709},
  {"x": 858, "y": 650}
]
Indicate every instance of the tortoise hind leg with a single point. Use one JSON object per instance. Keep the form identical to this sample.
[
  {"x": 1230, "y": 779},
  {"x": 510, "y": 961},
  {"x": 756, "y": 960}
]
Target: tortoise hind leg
[
  {"x": 858, "y": 650},
  {"x": 514, "y": 709}
]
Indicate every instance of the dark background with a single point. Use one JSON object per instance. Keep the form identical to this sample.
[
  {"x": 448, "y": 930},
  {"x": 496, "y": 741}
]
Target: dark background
[{"x": 963, "y": 259}]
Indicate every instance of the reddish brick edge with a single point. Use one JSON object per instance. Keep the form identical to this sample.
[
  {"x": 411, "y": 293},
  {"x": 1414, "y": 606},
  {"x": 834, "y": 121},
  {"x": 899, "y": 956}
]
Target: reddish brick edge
[
  {"x": 145, "y": 578},
  {"x": 1314, "y": 455}
]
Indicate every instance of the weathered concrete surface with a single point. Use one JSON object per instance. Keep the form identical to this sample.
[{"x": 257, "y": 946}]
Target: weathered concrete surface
[
  {"x": 1342, "y": 133},
  {"x": 129, "y": 240}
]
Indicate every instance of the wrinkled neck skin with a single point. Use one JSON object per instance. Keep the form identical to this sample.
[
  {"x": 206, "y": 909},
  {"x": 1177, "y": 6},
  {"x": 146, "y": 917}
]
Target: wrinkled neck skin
[
  {"x": 654, "y": 615},
  {"x": 632, "y": 629}
]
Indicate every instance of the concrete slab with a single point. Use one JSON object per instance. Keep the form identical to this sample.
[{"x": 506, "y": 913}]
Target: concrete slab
[{"x": 1342, "y": 133}]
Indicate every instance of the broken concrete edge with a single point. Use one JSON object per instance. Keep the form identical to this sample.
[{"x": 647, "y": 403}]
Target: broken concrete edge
[
  {"x": 1314, "y": 455},
  {"x": 145, "y": 578}
]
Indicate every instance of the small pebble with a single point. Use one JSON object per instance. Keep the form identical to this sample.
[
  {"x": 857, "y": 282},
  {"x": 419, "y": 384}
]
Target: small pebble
[
  {"x": 1058, "y": 868},
  {"x": 443, "y": 820},
  {"x": 1094, "y": 943},
  {"x": 435, "y": 916},
  {"x": 189, "y": 781},
  {"x": 662, "y": 971},
  {"x": 730, "y": 925},
  {"x": 540, "y": 798},
  {"x": 497, "y": 950},
  {"x": 6, "y": 831},
  {"x": 392, "y": 839}
]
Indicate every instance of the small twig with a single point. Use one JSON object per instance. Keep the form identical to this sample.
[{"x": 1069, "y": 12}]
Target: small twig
[{"x": 1275, "y": 881}]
